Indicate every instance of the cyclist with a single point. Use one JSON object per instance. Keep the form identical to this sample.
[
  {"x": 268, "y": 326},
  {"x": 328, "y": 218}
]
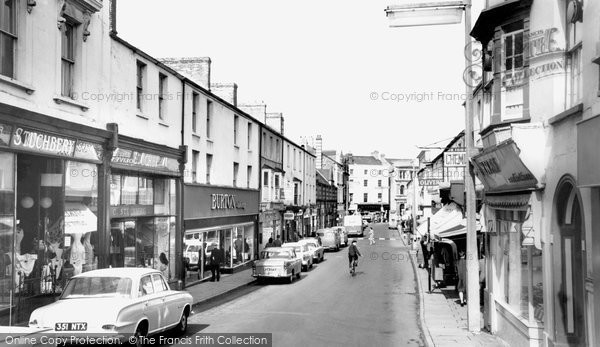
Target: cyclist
[{"x": 353, "y": 254}]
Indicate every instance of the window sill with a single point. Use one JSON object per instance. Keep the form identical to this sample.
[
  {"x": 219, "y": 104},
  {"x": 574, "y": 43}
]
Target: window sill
[
  {"x": 209, "y": 141},
  {"x": 163, "y": 124},
  {"x": 236, "y": 147},
  {"x": 59, "y": 99},
  {"x": 196, "y": 136},
  {"x": 142, "y": 116},
  {"x": 15, "y": 83}
]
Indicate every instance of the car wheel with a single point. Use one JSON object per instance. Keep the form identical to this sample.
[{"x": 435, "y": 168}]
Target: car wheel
[
  {"x": 291, "y": 279},
  {"x": 181, "y": 328},
  {"x": 139, "y": 335},
  {"x": 310, "y": 265},
  {"x": 298, "y": 275}
]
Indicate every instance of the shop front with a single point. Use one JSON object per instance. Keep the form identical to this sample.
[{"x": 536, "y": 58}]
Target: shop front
[
  {"x": 219, "y": 218},
  {"x": 144, "y": 206},
  {"x": 511, "y": 217},
  {"x": 271, "y": 224},
  {"x": 50, "y": 208}
]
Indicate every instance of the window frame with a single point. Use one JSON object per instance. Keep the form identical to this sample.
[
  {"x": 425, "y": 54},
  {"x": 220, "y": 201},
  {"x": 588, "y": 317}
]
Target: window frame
[
  {"x": 209, "y": 112},
  {"x": 195, "y": 103},
  {"x": 67, "y": 58},
  {"x": 162, "y": 86},
  {"x": 140, "y": 81},
  {"x": 11, "y": 34}
]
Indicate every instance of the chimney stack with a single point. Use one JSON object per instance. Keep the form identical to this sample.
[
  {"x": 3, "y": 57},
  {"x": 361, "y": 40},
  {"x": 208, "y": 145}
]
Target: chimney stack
[
  {"x": 226, "y": 91},
  {"x": 197, "y": 68},
  {"x": 113, "y": 17},
  {"x": 275, "y": 121},
  {"x": 257, "y": 110},
  {"x": 319, "y": 150}
]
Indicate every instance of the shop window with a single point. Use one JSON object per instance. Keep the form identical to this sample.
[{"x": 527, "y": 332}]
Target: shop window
[
  {"x": 145, "y": 191},
  {"x": 8, "y": 38},
  {"x": 8, "y": 241},
  {"x": 129, "y": 190}
]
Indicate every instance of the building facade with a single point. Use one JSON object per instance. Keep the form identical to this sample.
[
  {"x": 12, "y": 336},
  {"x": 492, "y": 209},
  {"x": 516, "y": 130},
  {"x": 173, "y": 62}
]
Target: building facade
[
  {"x": 530, "y": 105},
  {"x": 327, "y": 204},
  {"x": 369, "y": 183},
  {"x": 79, "y": 182},
  {"x": 336, "y": 161}
]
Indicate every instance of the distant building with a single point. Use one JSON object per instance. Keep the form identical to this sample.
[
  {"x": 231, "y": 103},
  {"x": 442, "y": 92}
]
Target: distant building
[{"x": 369, "y": 183}]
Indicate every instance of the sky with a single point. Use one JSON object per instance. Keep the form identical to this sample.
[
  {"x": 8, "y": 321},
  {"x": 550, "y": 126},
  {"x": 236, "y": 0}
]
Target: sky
[{"x": 333, "y": 68}]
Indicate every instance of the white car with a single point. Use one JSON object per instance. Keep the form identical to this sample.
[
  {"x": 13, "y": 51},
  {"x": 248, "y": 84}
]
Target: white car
[
  {"x": 277, "y": 262},
  {"x": 318, "y": 251},
  {"x": 302, "y": 252},
  {"x": 116, "y": 302}
]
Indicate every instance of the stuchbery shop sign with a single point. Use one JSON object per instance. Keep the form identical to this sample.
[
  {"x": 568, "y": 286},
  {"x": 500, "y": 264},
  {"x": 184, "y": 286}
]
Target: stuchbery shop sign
[{"x": 35, "y": 141}]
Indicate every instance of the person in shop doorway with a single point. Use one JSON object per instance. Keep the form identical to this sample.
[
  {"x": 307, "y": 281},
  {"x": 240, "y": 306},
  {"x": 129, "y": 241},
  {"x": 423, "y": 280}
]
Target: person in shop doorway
[
  {"x": 239, "y": 248},
  {"x": 277, "y": 242},
  {"x": 164, "y": 265},
  {"x": 216, "y": 258},
  {"x": 462, "y": 277}
]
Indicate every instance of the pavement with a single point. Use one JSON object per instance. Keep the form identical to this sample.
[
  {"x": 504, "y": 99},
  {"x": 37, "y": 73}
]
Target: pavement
[
  {"x": 206, "y": 291},
  {"x": 444, "y": 321}
]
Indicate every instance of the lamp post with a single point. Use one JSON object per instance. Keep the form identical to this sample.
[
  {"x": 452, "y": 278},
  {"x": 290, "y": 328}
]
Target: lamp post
[{"x": 439, "y": 13}]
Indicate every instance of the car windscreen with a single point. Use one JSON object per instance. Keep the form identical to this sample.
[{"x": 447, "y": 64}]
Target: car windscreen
[
  {"x": 193, "y": 249},
  {"x": 87, "y": 287},
  {"x": 275, "y": 255}
]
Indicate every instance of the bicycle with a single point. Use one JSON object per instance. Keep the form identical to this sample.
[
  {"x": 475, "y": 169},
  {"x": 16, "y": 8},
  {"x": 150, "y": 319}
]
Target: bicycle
[{"x": 354, "y": 265}]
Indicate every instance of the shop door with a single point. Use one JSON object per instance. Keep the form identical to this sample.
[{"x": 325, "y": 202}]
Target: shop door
[
  {"x": 569, "y": 291},
  {"x": 122, "y": 244}
]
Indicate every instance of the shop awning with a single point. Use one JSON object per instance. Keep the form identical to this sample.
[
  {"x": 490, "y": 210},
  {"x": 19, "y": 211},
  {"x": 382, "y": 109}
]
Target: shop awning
[
  {"x": 508, "y": 202},
  {"x": 458, "y": 230},
  {"x": 483, "y": 30},
  {"x": 447, "y": 217}
]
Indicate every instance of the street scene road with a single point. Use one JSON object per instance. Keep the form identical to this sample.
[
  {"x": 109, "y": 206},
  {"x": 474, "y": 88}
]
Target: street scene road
[{"x": 329, "y": 307}]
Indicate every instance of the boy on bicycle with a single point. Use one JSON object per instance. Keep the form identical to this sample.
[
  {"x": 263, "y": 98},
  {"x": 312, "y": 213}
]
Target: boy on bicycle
[{"x": 353, "y": 253}]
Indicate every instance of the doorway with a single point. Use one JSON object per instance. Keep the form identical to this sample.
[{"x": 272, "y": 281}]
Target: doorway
[{"x": 569, "y": 294}]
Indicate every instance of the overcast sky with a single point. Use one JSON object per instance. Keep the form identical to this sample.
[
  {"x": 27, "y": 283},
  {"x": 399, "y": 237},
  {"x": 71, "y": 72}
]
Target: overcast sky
[{"x": 320, "y": 63}]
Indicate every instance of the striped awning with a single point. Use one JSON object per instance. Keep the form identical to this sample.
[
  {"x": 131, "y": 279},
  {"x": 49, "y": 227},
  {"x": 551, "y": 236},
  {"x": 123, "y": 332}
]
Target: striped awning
[{"x": 508, "y": 202}]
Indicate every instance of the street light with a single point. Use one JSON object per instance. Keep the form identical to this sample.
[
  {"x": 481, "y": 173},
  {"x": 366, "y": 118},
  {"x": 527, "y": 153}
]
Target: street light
[{"x": 448, "y": 12}]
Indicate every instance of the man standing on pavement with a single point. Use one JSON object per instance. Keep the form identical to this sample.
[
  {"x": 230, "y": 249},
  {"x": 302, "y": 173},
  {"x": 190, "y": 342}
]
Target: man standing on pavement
[
  {"x": 216, "y": 258},
  {"x": 277, "y": 242}
]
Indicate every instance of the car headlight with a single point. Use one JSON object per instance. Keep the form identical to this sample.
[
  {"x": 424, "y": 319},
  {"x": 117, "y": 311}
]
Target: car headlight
[{"x": 109, "y": 327}]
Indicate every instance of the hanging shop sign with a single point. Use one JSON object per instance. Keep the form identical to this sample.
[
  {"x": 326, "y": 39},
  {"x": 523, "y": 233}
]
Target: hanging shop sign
[
  {"x": 288, "y": 216},
  {"x": 141, "y": 160},
  {"x": 501, "y": 169},
  {"x": 131, "y": 211}
]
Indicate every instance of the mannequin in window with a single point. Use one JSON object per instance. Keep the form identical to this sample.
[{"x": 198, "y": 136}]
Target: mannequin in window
[
  {"x": 18, "y": 239},
  {"x": 77, "y": 258},
  {"x": 89, "y": 252}
]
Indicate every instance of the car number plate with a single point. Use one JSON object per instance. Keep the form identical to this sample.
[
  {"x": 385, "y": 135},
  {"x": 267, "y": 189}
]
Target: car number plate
[
  {"x": 270, "y": 271},
  {"x": 70, "y": 326}
]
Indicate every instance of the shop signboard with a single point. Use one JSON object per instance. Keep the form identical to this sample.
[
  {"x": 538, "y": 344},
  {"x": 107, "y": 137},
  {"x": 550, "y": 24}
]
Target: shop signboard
[
  {"x": 501, "y": 169},
  {"x": 288, "y": 216},
  {"x": 427, "y": 182},
  {"x": 454, "y": 158},
  {"x": 42, "y": 142},
  {"x": 122, "y": 211},
  {"x": 130, "y": 158},
  {"x": 209, "y": 201}
]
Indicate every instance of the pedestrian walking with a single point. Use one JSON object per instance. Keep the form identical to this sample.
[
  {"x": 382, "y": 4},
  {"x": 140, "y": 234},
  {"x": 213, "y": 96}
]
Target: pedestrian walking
[
  {"x": 270, "y": 243},
  {"x": 216, "y": 258},
  {"x": 371, "y": 236},
  {"x": 277, "y": 242},
  {"x": 462, "y": 277}
]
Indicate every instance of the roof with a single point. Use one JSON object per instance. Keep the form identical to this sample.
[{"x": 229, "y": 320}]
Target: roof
[
  {"x": 401, "y": 162},
  {"x": 119, "y": 271},
  {"x": 365, "y": 160},
  {"x": 329, "y": 152},
  {"x": 321, "y": 179}
]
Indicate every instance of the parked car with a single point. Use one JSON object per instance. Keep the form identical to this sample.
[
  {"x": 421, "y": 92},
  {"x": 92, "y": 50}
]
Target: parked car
[
  {"x": 343, "y": 234},
  {"x": 329, "y": 239},
  {"x": 277, "y": 262},
  {"x": 122, "y": 302},
  {"x": 302, "y": 252},
  {"x": 316, "y": 249}
]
